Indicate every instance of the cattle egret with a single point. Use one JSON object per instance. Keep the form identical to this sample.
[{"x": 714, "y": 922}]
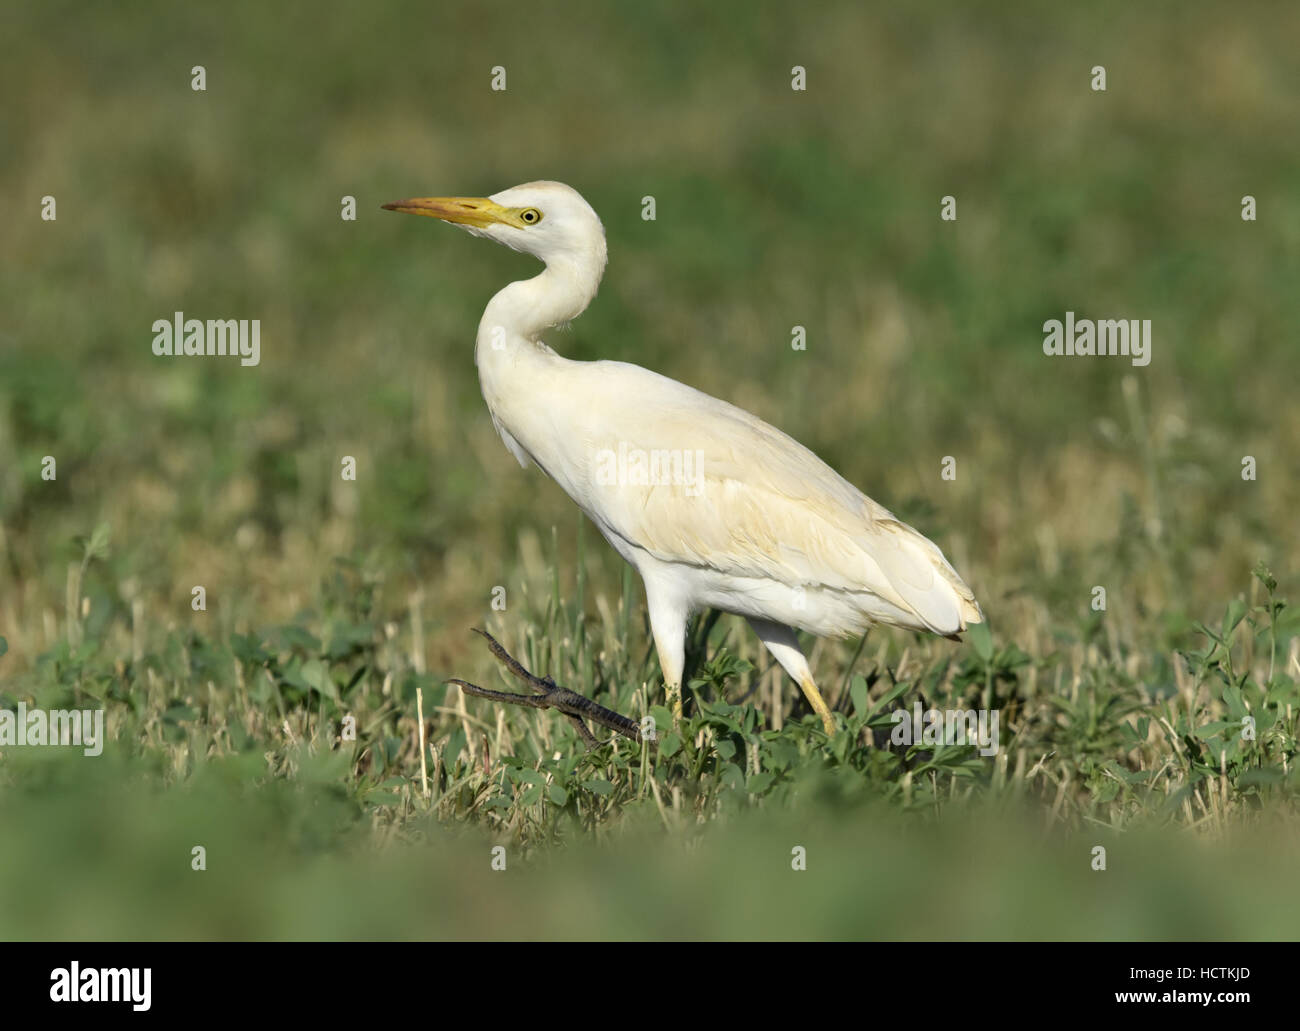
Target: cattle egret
[{"x": 711, "y": 505}]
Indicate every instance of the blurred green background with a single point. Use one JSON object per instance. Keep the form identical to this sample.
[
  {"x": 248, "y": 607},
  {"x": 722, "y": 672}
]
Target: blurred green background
[{"x": 775, "y": 208}]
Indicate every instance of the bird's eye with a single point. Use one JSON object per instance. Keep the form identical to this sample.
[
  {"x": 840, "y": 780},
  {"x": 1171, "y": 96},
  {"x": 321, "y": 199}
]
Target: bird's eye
[{"x": 530, "y": 216}]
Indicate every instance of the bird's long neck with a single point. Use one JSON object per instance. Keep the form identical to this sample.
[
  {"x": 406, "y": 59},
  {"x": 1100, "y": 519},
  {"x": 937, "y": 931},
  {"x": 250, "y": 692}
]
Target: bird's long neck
[
  {"x": 512, "y": 360},
  {"x": 522, "y": 311}
]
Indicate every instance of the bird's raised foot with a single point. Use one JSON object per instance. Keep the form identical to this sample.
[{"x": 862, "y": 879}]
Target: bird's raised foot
[{"x": 550, "y": 695}]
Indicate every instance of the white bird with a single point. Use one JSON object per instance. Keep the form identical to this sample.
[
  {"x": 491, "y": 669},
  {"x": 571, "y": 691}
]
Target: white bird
[{"x": 711, "y": 505}]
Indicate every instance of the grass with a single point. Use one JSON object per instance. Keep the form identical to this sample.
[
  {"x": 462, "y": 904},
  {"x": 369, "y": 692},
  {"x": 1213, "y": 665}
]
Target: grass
[{"x": 331, "y": 601}]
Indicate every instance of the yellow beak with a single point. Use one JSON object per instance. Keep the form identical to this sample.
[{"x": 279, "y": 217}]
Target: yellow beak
[{"x": 478, "y": 212}]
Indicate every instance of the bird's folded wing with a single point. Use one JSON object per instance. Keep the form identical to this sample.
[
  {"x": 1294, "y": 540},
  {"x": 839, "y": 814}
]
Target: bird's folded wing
[{"x": 694, "y": 480}]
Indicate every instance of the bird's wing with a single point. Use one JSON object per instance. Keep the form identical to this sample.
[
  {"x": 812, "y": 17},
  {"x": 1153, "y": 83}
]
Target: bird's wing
[{"x": 730, "y": 492}]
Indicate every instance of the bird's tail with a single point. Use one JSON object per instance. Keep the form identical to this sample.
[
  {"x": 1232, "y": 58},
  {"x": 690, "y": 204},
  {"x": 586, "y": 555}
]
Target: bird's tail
[{"x": 925, "y": 580}]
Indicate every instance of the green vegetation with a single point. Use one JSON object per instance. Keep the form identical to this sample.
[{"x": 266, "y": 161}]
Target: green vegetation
[{"x": 329, "y": 599}]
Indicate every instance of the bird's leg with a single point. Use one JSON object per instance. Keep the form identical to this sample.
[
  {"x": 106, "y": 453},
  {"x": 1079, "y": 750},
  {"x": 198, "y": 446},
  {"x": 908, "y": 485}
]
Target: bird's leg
[
  {"x": 674, "y": 693},
  {"x": 668, "y": 625},
  {"x": 551, "y": 696},
  {"x": 818, "y": 703},
  {"x": 784, "y": 646}
]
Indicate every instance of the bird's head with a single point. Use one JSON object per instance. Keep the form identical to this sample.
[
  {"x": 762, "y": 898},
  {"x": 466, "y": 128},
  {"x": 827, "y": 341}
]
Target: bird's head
[{"x": 548, "y": 220}]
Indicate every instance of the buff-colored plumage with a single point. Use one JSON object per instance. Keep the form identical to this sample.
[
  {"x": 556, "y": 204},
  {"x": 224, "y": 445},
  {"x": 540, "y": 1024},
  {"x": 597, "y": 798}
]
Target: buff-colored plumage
[{"x": 713, "y": 506}]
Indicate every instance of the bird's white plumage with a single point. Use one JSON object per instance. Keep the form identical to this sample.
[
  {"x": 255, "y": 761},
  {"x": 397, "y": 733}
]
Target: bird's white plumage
[
  {"x": 763, "y": 506},
  {"x": 761, "y": 527}
]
